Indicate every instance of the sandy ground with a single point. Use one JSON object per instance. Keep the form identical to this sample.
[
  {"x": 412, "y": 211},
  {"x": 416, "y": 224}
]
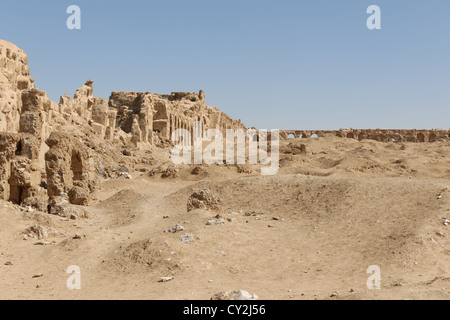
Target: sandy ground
[{"x": 309, "y": 232}]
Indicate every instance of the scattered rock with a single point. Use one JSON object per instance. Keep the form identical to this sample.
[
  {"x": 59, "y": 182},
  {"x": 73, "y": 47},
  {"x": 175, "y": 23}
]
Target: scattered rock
[
  {"x": 234, "y": 270},
  {"x": 45, "y": 243},
  {"x": 175, "y": 229},
  {"x": 197, "y": 171},
  {"x": 37, "y": 203},
  {"x": 60, "y": 206},
  {"x": 215, "y": 222},
  {"x": 204, "y": 198},
  {"x": 234, "y": 295},
  {"x": 39, "y": 232},
  {"x": 125, "y": 175},
  {"x": 170, "y": 172},
  {"x": 187, "y": 238},
  {"x": 154, "y": 172},
  {"x": 115, "y": 172},
  {"x": 166, "y": 279},
  {"x": 78, "y": 196},
  {"x": 127, "y": 152},
  {"x": 244, "y": 169}
]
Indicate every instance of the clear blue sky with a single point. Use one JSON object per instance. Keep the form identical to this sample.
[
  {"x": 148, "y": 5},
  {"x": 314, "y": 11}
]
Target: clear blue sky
[{"x": 284, "y": 64}]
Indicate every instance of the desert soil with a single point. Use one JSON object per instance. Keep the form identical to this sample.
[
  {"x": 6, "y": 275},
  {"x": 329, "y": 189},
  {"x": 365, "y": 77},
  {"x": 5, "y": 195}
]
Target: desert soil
[{"x": 309, "y": 232}]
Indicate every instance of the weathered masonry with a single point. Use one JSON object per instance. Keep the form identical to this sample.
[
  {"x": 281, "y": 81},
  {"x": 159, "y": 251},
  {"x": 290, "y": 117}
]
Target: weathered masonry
[{"x": 382, "y": 135}]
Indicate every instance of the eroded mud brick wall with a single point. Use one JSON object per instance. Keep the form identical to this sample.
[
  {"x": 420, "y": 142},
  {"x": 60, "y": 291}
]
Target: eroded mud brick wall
[
  {"x": 149, "y": 116},
  {"x": 375, "y": 134}
]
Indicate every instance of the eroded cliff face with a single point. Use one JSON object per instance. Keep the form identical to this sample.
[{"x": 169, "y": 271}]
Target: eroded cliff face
[{"x": 54, "y": 154}]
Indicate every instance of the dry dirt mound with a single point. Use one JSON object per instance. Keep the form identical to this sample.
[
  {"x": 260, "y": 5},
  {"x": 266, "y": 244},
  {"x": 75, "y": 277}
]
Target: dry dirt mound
[
  {"x": 153, "y": 257},
  {"x": 339, "y": 157},
  {"x": 206, "y": 199},
  {"x": 121, "y": 208},
  {"x": 125, "y": 197}
]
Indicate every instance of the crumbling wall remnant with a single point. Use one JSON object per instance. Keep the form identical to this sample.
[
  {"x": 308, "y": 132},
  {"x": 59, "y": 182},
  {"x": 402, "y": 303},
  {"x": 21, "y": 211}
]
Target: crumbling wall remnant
[{"x": 382, "y": 135}]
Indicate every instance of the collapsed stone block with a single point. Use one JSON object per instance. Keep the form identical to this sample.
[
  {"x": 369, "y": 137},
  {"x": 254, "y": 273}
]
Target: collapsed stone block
[
  {"x": 60, "y": 206},
  {"x": 206, "y": 199},
  {"x": 40, "y": 232},
  {"x": 78, "y": 196},
  {"x": 37, "y": 203},
  {"x": 31, "y": 123}
]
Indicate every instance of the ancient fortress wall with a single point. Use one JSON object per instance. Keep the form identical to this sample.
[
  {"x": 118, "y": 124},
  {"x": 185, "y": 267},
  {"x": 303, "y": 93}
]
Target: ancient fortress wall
[
  {"x": 44, "y": 166},
  {"x": 381, "y": 135}
]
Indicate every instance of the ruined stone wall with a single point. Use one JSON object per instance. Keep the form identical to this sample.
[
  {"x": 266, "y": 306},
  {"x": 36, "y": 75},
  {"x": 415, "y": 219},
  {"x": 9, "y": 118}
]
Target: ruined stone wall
[
  {"x": 43, "y": 165},
  {"x": 382, "y": 135},
  {"x": 149, "y": 117},
  {"x": 14, "y": 78}
]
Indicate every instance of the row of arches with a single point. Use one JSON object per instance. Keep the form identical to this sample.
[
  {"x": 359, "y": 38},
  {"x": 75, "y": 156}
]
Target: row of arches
[
  {"x": 302, "y": 136},
  {"x": 378, "y": 135},
  {"x": 179, "y": 122}
]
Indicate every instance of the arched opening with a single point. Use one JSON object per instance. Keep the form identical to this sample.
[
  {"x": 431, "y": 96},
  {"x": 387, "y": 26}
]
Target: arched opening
[
  {"x": 19, "y": 148},
  {"x": 314, "y": 136},
  {"x": 421, "y": 137},
  {"x": 397, "y": 138},
  {"x": 291, "y": 136},
  {"x": 76, "y": 166},
  {"x": 432, "y": 137},
  {"x": 16, "y": 194}
]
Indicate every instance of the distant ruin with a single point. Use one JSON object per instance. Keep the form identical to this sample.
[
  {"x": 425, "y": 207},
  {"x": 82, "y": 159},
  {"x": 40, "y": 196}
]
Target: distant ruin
[{"x": 382, "y": 135}]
